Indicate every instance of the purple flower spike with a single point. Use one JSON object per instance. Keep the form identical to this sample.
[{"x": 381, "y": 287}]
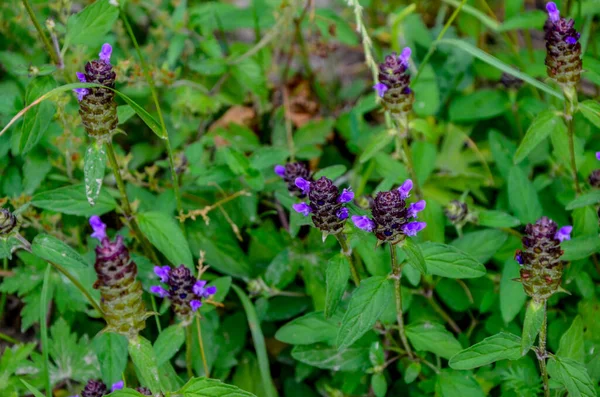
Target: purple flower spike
[
  {"x": 105, "y": 53},
  {"x": 381, "y": 89},
  {"x": 346, "y": 196},
  {"x": 405, "y": 56},
  {"x": 342, "y": 213},
  {"x": 199, "y": 287},
  {"x": 195, "y": 304},
  {"x": 280, "y": 170},
  {"x": 117, "y": 386},
  {"x": 415, "y": 208},
  {"x": 302, "y": 208},
  {"x": 598, "y": 155},
  {"x": 99, "y": 228},
  {"x": 163, "y": 272},
  {"x": 412, "y": 228},
  {"x": 303, "y": 185},
  {"x": 553, "y": 12},
  {"x": 405, "y": 189},
  {"x": 158, "y": 290},
  {"x": 363, "y": 222},
  {"x": 564, "y": 233}
]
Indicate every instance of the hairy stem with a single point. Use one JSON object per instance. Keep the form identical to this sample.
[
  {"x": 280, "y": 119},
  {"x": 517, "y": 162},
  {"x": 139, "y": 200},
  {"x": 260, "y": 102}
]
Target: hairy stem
[
  {"x": 570, "y": 105},
  {"x": 542, "y": 354},
  {"x": 347, "y": 251},
  {"x": 397, "y": 276},
  {"x": 38, "y": 27},
  {"x": 201, "y": 343}
]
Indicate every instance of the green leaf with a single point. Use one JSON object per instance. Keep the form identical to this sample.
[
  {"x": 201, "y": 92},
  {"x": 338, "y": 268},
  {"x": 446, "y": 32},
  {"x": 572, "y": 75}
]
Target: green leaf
[
  {"x": 525, "y": 20},
  {"x": 580, "y": 247},
  {"x": 36, "y": 122},
  {"x": 164, "y": 233},
  {"x": 336, "y": 275},
  {"x": 512, "y": 296},
  {"x": 589, "y": 198},
  {"x": 93, "y": 22},
  {"x": 368, "y": 302},
  {"x": 457, "y": 384},
  {"x": 522, "y": 196},
  {"x": 111, "y": 350},
  {"x": 573, "y": 375},
  {"x": 308, "y": 329},
  {"x": 379, "y": 384},
  {"x": 320, "y": 355},
  {"x": 72, "y": 200},
  {"x": 32, "y": 389},
  {"x": 414, "y": 255},
  {"x": 489, "y": 103},
  {"x": 143, "y": 357},
  {"x": 491, "y": 218},
  {"x": 447, "y": 261},
  {"x": 540, "y": 129},
  {"x": 53, "y": 250},
  {"x": 481, "y": 244},
  {"x": 502, "y": 346},
  {"x": 412, "y": 372},
  {"x": 333, "y": 172},
  {"x": 433, "y": 337},
  {"x": 534, "y": 318},
  {"x": 571, "y": 342},
  {"x": 94, "y": 165},
  {"x": 203, "y": 387},
  {"x": 591, "y": 110},
  {"x": 283, "y": 269},
  {"x": 377, "y": 144},
  {"x": 168, "y": 343}
]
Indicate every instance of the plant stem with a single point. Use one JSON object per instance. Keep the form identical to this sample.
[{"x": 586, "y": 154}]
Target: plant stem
[
  {"x": 570, "y": 104},
  {"x": 112, "y": 158},
  {"x": 38, "y": 27},
  {"x": 204, "y": 363},
  {"x": 434, "y": 305},
  {"x": 79, "y": 286},
  {"x": 347, "y": 251},
  {"x": 402, "y": 139},
  {"x": 397, "y": 276},
  {"x": 155, "y": 309},
  {"x": 542, "y": 353},
  {"x": 188, "y": 351},
  {"x": 161, "y": 119}
]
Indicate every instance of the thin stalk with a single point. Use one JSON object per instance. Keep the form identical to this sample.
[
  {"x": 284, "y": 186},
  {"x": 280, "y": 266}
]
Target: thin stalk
[
  {"x": 570, "y": 104},
  {"x": 347, "y": 251},
  {"x": 8, "y": 339},
  {"x": 79, "y": 286},
  {"x": 161, "y": 119},
  {"x": 204, "y": 363},
  {"x": 188, "y": 351},
  {"x": 542, "y": 354},
  {"x": 155, "y": 310},
  {"x": 112, "y": 158},
  {"x": 438, "y": 309},
  {"x": 402, "y": 128},
  {"x": 397, "y": 276},
  {"x": 3, "y": 297},
  {"x": 38, "y": 27}
]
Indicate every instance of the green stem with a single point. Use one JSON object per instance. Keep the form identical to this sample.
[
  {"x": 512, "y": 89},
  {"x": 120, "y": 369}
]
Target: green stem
[
  {"x": 38, "y": 27},
  {"x": 155, "y": 310},
  {"x": 201, "y": 344},
  {"x": 402, "y": 127},
  {"x": 570, "y": 104},
  {"x": 542, "y": 354},
  {"x": 347, "y": 251},
  {"x": 188, "y": 351},
  {"x": 144, "y": 65},
  {"x": 79, "y": 286},
  {"x": 397, "y": 276}
]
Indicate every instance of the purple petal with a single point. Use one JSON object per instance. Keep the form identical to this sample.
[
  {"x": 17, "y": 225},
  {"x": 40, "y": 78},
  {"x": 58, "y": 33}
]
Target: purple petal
[
  {"x": 280, "y": 170},
  {"x": 415, "y": 208},
  {"x": 303, "y": 185},
  {"x": 98, "y": 227},
  {"x": 81, "y": 77},
  {"x": 105, "y": 53},
  {"x": 198, "y": 287},
  {"x": 405, "y": 189},
  {"x": 363, "y": 222},
  {"x": 302, "y": 208},
  {"x": 571, "y": 40},
  {"x": 159, "y": 290},
  {"x": 195, "y": 304},
  {"x": 519, "y": 258},
  {"x": 342, "y": 213},
  {"x": 598, "y": 155},
  {"x": 381, "y": 89},
  {"x": 564, "y": 233},
  {"x": 211, "y": 290},
  {"x": 163, "y": 272},
  {"x": 117, "y": 386},
  {"x": 553, "y": 12},
  {"x": 81, "y": 93},
  {"x": 412, "y": 228},
  {"x": 346, "y": 196},
  {"x": 405, "y": 56}
]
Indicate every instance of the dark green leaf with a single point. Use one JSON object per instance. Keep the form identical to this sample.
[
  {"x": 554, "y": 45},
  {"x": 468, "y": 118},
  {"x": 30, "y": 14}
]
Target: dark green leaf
[
  {"x": 502, "y": 346},
  {"x": 203, "y": 387},
  {"x": 53, "y": 250},
  {"x": 580, "y": 247},
  {"x": 512, "y": 295},
  {"x": 111, "y": 350},
  {"x": 72, "y": 200},
  {"x": 573, "y": 375},
  {"x": 433, "y": 337},
  {"x": 337, "y": 275},
  {"x": 540, "y": 129},
  {"x": 481, "y": 244},
  {"x": 571, "y": 342},
  {"x": 493, "y": 218},
  {"x": 353, "y": 358},
  {"x": 168, "y": 343},
  {"x": 590, "y": 198},
  {"x": 489, "y": 103},
  {"x": 522, "y": 196},
  {"x": 414, "y": 255},
  {"x": 591, "y": 110},
  {"x": 93, "y": 22},
  {"x": 94, "y": 165},
  {"x": 143, "y": 357},
  {"x": 37, "y": 120},
  {"x": 308, "y": 329},
  {"x": 164, "y": 233},
  {"x": 457, "y": 384},
  {"x": 534, "y": 318},
  {"x": 447, "y": 261},
  {"x": 378, "y": 143}
]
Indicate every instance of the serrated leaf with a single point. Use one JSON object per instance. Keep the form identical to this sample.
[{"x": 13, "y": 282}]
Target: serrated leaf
[
  {"x": 433, "y": 337},
  {"x": 168, "y": 343},
  {"x": 368, "y": 302},
  {"x": 590, "y": 198},
  {"x": 573, "y": 375},
  {"x": 571, "y": 342},
  {"x": 53, "y": 250},
  {"x": 203, "y": 387},
  {"x": 143, "y": 357},
  {"x": 414, "y": 255},
  {"x": 522, "y": 196},
  {"x": 72, "y": 200},
  {"x": 164, "y": 233},
  {"x": 308, "y": 329},
  {"x": 502, "y": 346},
  {"x": 36, "y": 121},
  {"x": 94, "y": 165},
  {"x": 111, "y": 350},
  {"x": 534, "y": 318},
  {"x": 447, "y": 261},
  {"x": 92, "y": 22},
  {"x": 336, "y": 276}
]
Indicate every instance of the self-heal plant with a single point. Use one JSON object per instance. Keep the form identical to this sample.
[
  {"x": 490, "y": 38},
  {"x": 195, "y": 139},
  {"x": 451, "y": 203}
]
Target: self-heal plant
[
  {"x": 97, "y": 388},
  {"x": 393, "y": 86},
  {"x": 292, "y": 171}
]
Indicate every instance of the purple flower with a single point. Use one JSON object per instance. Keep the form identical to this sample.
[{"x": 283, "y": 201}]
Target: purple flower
[
  {"x": 117, "y": 386},
  {"x": 381, "y": 89},
  {"x": 405, "y": 56},
  {"x": 302, "y": 208},
  {"x": 203, "y": 292},
  {"x": 363, "y": 222},
  {"x": 412, "y": 228},
  {"x": 303, "y": 185},
  {"x": 519, "y": 257},
  {"x": 415, "y": 208},
  {"x": 162, "y": 272},
  {"x": 564, "y": 233},
  {"x": 81, "y": 92},
  {"x": 346, "y": 196},
  {"x": 159, "y": 290},
  {"x": 342, "y": 213},
  {"x": 280, "y": 170},
  {"x": 195, "y": 304},
  {"x": 598, "y": 155},
  {"x": 105, "y": 53},
  {"x": 405, "y": 189},
  {"x": 571, "y": 40},
  {"x": 98, "y": 227},
  {"x": 553, "y": 12}
]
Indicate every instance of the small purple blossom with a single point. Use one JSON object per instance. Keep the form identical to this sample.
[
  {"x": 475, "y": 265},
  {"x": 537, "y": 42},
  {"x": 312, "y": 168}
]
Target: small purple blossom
[
  {"x": 303, "y": 185},
  {"x": 98, "y": 227},
  {"x": 159, "y": 290},
  {"x": 412, "y": 228},
  {"x": 346, "y": 196},
  {"x": 597, "y": 155},
  {"x": 405, "y": 189},
  {"x": 105, "y": 53},
  {"x": 553, "y": 12},
  {"x": 81, "y": 92},
  {"x": 415, "y": 208},
  {"x": 380, "y": 88},
  {"x": 163, "y": 272},
  {"x": 302, "y": 208},
  {"x": 342, "y": 213},
  {"x": 519, "y": 257},
  {"x": 280, "y": 170},
  {"x": 117, "y": 386},
  {"x": 363, "y": 222},
  {"x": 405, "y": 56},
  {"x": 571, "y": 40},
  {"x": 564, "y": 233},
  {"x": 200, "y": 290},
  {"x": 195, "y": 304}
]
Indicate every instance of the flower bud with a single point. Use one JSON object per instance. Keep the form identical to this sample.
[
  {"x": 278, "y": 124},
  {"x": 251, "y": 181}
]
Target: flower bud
[
  {"x": 594, "y": 178},
  {"x": 8, "y": 222},
  {"x": 94, "y": 388},
  {"x": 511, "y": 82},
  {"x": 457, "y": 212},
  {"x": 292, "y": 171},
  {"x": 144, "y": 390},
  {"x": 563, "y": 50},
  {"x": 393, "y": 86}
]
